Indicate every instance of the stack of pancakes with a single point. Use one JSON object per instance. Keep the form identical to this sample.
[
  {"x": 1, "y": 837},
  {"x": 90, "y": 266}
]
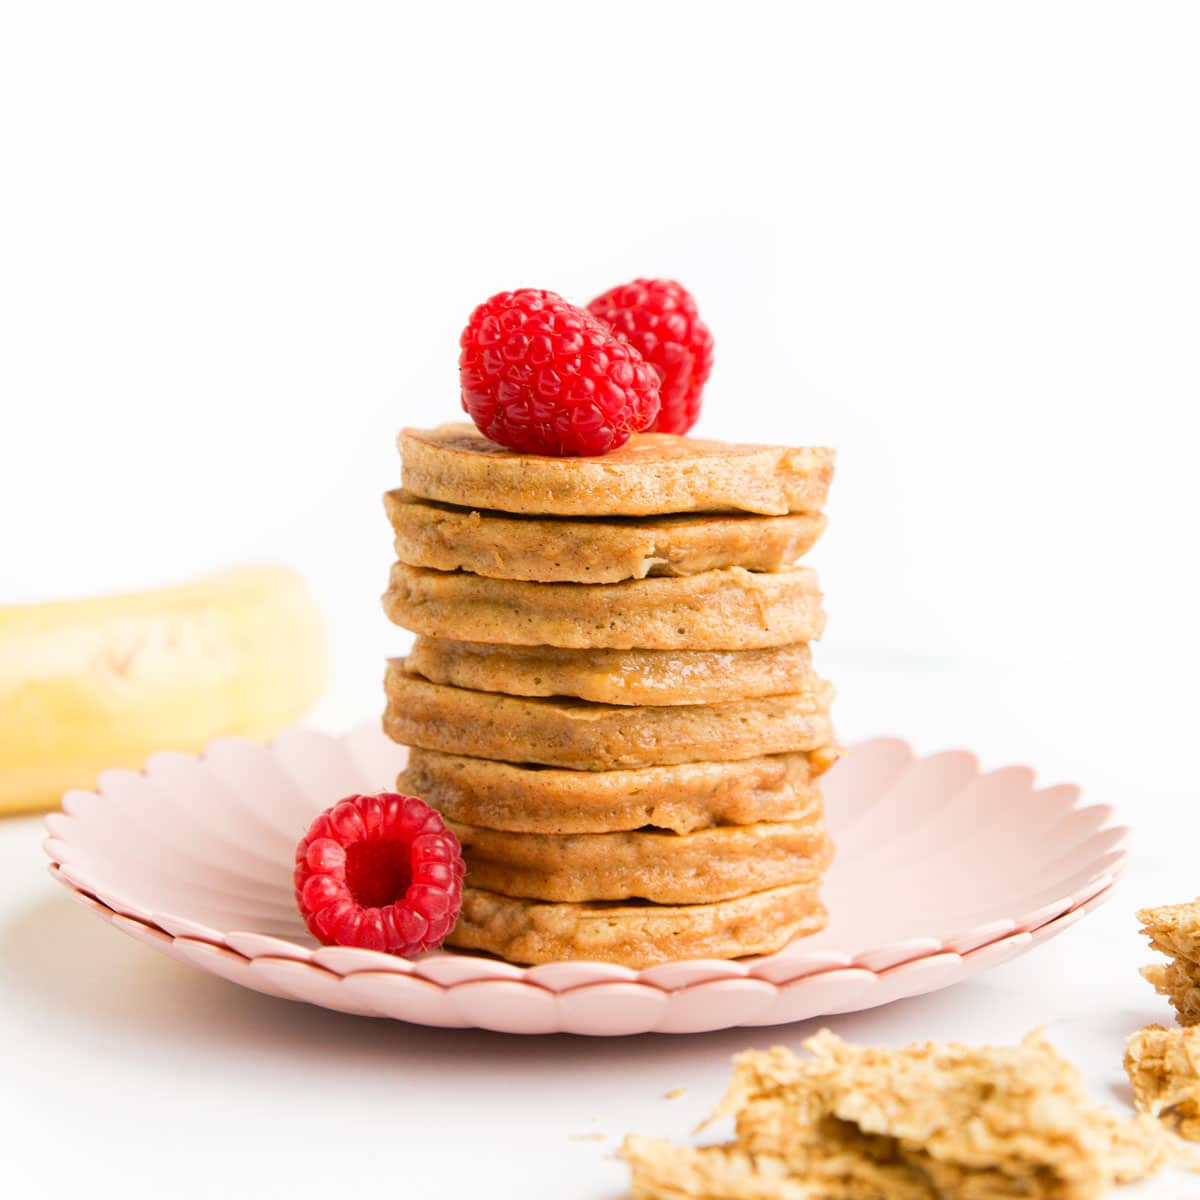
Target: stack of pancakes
[{"x": 611, "y": 698}]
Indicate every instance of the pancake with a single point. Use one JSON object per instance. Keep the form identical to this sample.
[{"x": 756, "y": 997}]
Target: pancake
[
  {"x": 635, "y": 935},
  {"x": 666, "y": 868},
  {"x": 732, "y": 609},
  {"x": 590, "y": 550},
  {"x": 599, "y": 737},
  {"x": 679, "y": 798},
  {"x": 652, "y": 473},
  {"x": 616, "y": 676}
]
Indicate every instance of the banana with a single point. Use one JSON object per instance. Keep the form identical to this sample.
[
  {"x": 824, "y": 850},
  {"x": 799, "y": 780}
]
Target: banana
[{"x": 103, "y": 682}]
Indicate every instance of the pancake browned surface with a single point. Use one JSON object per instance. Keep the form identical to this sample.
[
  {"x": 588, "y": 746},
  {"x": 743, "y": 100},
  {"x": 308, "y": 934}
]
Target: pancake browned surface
[
  {"x": 667, "y": 868},
  {"x": 617, "y": 676},
  {"x": 678, "y": 798},
  {"x": 592, "y": 550},
  {"x": 635, "y": 935},
  {"x": 717, "y": 610},
  {"x": 598, "y": 737},
  {"x": 652, "y": 473}
]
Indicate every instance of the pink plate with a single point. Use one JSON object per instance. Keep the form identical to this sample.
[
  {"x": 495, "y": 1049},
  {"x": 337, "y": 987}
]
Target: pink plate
[{"x": 942, "y": 870}]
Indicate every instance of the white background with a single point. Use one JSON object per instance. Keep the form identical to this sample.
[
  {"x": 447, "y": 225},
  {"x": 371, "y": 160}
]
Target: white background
[{"x": 958, "y": 241}]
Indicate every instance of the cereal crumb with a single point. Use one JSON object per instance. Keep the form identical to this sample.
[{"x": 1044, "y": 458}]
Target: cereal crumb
[
  {"x": 675, "y": 1093},
  {"x": 1163, "y": 1066},
  {"x": 928, "y": 1121},
  {"x": 587, "y": 1137},
  {"x": 1174, "y": 930}
]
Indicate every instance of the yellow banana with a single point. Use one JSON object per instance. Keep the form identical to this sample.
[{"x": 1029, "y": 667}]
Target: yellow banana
[{"x": 103, "y": 682}]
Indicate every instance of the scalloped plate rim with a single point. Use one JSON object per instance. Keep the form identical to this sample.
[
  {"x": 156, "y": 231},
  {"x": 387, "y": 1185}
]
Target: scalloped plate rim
[{"x": 787, "y": 968}]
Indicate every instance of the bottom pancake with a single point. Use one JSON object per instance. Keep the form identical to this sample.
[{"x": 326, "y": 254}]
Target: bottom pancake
[
  {"x": 636, "y": 935},
  {"x": 680, "y": 798},
  {"x": 665, "y": 868}
]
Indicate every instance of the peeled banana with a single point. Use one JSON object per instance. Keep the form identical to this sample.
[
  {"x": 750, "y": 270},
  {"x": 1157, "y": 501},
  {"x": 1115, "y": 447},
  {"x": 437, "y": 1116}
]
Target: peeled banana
[{"x": 89, "y": 684}]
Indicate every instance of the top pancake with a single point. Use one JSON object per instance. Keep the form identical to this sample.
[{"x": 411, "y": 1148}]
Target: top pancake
[{"x": 652, "y": 473}]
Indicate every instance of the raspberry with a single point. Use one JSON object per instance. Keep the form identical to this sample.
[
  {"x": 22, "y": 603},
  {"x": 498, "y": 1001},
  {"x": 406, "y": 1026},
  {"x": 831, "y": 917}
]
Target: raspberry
[
  {"x": 380, "y": 872},
  {"x": 541, "y": 376},
  {"x": 659, "y": 318}
]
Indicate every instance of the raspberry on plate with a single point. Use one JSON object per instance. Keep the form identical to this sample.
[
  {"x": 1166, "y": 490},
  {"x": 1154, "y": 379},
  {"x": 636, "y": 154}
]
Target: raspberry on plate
[
  {"x": 379, "y": 872},
  {"x": 659, "y": 318},
  {"x": 541, "y": 376}
]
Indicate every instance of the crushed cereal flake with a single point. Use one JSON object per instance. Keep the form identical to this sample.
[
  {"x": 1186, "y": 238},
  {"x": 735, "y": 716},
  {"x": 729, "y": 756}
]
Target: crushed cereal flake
[
  {"x": 927, "y": 1122},
  {"x": 1163, "y": 1066},
  {"x": 1174, "y": 930},
  {"x": 1180, "y": 984}
]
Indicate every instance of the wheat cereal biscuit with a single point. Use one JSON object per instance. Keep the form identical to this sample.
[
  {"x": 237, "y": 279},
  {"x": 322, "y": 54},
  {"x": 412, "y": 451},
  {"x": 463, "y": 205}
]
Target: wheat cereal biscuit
[
  {"x": 1179, "y": 981},
  {"x": 445, "y": 537},
  {"x": 733, "y": 609},
  {"x": 678, "y": 798},
  {"x": 665, "y": 868},
  {"x": 935, "y": 1121},
  {"x": 635, "y": 935},
  {"x": 1174, "y": 930},
  {"x": 616, "y": 676},
  {"x": 598, "y": 737},
  {"x": 652, "y": 473},
  {"x": 1163, "y": 1066}
]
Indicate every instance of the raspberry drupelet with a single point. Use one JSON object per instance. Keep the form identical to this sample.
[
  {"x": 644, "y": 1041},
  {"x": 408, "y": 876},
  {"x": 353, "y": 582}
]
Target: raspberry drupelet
[
  {"x": 379, "y": 872},
  {"x": 659, "y": 318},
  {"x": 541, "y": 376}
]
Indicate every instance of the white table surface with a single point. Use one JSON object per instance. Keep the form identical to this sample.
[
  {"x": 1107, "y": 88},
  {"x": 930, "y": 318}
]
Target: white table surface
[{"x": 125, "y": 1073}]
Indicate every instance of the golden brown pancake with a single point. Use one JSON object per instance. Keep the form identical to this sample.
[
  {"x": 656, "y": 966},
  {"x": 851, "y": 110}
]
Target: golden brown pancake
[
  {"x": 666, "y": 868},
  {"x": 598, "y": 737},
  {"x": 592, "y": 550},
  {"x": 679, "y": 798},
  {"x": 635, "y": 935},
  {"x": 652, "y": 473},
  {"x": 717, "y": 610},
  {"x": 616, "y": 676}
]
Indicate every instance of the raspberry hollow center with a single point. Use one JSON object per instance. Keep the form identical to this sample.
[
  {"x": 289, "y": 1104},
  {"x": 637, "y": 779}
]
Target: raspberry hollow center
[{"x": 377, "y": 872}]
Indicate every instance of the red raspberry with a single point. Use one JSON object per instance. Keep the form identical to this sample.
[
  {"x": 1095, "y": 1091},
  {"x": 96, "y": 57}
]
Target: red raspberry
[
  {"x": 541, "y": 376},
  {"x": 380, "y": 872},
  {"x": 659, "y": 318}
]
